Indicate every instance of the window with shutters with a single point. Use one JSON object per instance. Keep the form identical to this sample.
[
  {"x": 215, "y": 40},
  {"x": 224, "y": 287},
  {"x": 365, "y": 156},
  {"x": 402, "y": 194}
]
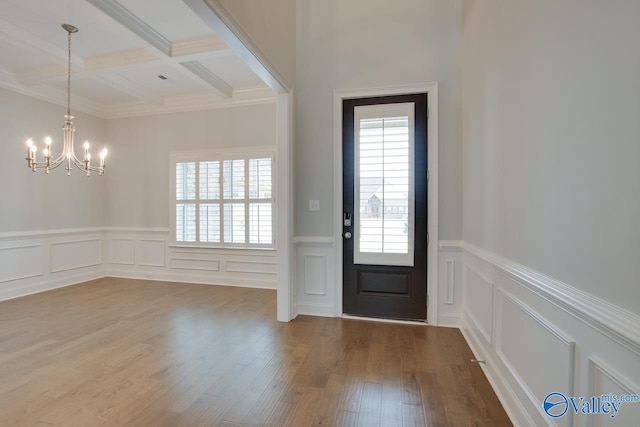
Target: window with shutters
[
  {"x": 384, "y": 184},
  {"x": 223, "y": 200}
]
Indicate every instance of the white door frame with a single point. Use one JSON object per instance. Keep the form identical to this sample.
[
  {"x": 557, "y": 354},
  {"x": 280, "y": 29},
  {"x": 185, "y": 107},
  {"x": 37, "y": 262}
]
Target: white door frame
[{"x": 431, "y": 89}]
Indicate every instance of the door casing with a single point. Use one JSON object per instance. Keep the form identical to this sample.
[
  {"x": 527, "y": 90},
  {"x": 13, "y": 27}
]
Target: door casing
[{"x": 431, "y": 89}]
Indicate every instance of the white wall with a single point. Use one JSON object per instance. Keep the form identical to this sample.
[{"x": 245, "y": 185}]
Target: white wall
[
  {"x": 49, "y": 224},
  {"x": 551, "y": 201},
  {"x": 138, "y": 181},
  {"x": 271, "y": 25},
  {"x": 551, "y": 131},
  {"x": 139, "y": 240},
  {"x": 35, "y": 201},
  {"x": 360, "y": 44}
]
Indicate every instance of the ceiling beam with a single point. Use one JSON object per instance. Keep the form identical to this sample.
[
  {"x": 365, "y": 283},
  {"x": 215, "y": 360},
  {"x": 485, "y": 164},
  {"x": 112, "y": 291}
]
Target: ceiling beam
[
  {"x": 160, "y": 44},
  {"x": 210, "y": 78},
  {"x": 137, "y": 26},
  {"x": 222, "y": 23}
]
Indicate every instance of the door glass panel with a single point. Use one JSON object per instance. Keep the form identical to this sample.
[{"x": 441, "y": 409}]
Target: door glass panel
[{"x": 384, "y": 184}]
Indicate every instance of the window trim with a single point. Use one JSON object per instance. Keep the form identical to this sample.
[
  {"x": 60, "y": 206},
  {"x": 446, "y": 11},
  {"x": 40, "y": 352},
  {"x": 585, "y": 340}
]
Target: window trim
[{"x": 221, "y": 155}]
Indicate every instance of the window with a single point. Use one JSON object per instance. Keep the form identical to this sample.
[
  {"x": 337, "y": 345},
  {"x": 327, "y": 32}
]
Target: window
[
  {"x": 384, "y": 184},
  {"x": 223, "y": 200}
]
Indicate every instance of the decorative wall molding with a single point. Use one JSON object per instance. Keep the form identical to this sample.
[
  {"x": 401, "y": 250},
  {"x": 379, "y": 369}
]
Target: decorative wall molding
[
  {"x": 315, "y": 289},
  {"x": 158, "y": 259},
  {"x": 20, "y": 262},
  {"x": 450, "y": 283},
  {"x": 122, "y": 251},
  {"x": 540, "y": 344},
  {"x": 450, "y": 290},
  {"x": 479, "y": 297},
  {"x": 75, "y": 254},
  {"x": 315, "y": 274},
  {"x": 37, "y": 261},
  {"x": 20, "y": 235},
  {"x": 617, "y": 323}
]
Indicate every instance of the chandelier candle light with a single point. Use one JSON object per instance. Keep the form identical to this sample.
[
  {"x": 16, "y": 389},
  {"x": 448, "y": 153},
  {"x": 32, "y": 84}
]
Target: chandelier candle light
[{"x": 68, "y": 154}]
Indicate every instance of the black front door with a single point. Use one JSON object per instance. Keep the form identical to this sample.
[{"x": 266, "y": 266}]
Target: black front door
[{"x": 385, "y": 206}]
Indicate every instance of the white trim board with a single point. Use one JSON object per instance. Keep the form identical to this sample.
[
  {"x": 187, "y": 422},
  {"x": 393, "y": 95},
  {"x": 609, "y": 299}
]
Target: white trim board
[
  {"x": 618, "y": 324},
  {"x": 431, "y": 89}
]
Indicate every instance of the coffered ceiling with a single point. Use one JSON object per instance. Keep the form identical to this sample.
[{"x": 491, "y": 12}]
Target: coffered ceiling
[{"x": 119, "y": 55}]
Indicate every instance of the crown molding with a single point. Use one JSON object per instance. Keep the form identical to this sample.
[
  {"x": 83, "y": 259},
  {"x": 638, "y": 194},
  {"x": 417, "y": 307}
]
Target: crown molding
[
  {"x": 193, "y": 102},
  {"x": 48, "y": 94}
]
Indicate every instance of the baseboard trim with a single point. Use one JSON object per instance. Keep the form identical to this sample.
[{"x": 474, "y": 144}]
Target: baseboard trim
[
  {"x": 185, "y": 278},
  {"x": 49, "y": 285},
  {"x": 513, "y": 407},
  {"x": 316, "y": 310},
  {"x": 449, "y": 320}
]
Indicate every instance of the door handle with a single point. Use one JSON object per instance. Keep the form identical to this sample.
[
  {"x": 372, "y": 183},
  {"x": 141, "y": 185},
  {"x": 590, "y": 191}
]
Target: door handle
[{"x": 347, "y": 235}]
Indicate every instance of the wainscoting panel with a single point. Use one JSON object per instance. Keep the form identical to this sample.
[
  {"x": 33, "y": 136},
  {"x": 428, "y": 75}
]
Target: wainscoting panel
[
  {"x": 122, "y": 251},
  {"x": 315, "y": 274},
  {"x": 157, "y": 259},
  {"x": 604, "y": 380},
  {"x": 258, "y": 267},
  {"x": 151, "y": 253},
  {"x": 20, "y": 262},
  {"x": 479, "y": 296},
  {"x": 315, "y": 291},
  {"x": 36, "y": 261},
  {"x": 76, "y": 254},
  {"x": 542, "y": 345},
  {"x": 194, "y": 264},
  {"x": 450, "y": 292},
  {"x": 548, "y": 337}
]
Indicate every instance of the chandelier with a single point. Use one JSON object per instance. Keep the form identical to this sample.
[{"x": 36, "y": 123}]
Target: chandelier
[{"x": 68, "y": 155}]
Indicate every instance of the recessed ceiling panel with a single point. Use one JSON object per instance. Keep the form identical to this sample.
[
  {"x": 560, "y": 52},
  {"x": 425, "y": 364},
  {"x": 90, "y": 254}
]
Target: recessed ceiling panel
[
  {"x": 93, "y": 90},
  {"x": 173, "y": 19},
  {"x": 175, "y": 83},
  {"x": 15, "y": 58},
  {"x": 97, "y": 34},
  {"x": 232, "y": 70}
]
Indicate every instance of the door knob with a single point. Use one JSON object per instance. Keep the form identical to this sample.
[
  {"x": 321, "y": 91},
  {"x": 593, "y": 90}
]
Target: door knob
[{"x": 347, "y": 235}]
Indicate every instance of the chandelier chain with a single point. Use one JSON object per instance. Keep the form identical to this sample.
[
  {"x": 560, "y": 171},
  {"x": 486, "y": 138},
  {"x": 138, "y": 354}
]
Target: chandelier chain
[{"x": 69, "y": 74}]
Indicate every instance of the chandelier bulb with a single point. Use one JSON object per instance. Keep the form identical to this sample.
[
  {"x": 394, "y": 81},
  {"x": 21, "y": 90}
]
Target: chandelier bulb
[
  {"x": 47, "y": 140},
  {"x": 29, "y": 142},
  {"x": 86, "y": 145}
]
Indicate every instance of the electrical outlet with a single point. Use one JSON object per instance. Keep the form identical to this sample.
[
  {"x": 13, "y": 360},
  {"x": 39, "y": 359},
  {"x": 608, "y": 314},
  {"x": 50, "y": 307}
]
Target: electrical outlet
[{"x": 314, "y": 205}]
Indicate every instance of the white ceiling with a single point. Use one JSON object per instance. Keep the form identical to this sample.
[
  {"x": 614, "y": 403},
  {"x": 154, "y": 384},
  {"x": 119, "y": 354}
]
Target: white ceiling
[{"x": 117, "y": 55}]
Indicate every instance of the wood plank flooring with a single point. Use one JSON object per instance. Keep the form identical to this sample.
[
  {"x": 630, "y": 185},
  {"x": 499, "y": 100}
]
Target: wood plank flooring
[{"x": 119, "y": 352}]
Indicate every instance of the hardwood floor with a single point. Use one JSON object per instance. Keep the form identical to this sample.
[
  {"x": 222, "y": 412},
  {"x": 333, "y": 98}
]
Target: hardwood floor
[{"x": 118, "y": 352}]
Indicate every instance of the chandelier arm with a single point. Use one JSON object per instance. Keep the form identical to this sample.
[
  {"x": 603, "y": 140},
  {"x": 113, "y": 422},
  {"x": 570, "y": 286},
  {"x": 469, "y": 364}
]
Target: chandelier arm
[
  {"x": 58, "y": 159},
  {"x": 55, "y": 165}
]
